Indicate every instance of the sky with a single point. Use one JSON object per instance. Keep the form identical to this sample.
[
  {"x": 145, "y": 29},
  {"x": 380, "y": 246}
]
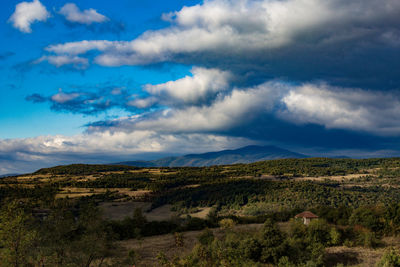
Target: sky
[{"x": 106, "y": 81}]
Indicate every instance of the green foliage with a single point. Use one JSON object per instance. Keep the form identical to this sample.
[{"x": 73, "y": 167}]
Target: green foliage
[
  {"x": 369, "y": 217},
  {"x": 391, "y": 258},
  {"x": 227, "y": 223},
  {"x": 17, "y": 235},
  {"x": 206, "y": 237},
  {"x": 83, "y": 169},
  {"x": 335, "y": 237},
  {"x": 318, "y": 231},
  {"x": 268, "y": 247},
  {"x": 179, "y": 240},
  {"x": 271, "y": 239}
]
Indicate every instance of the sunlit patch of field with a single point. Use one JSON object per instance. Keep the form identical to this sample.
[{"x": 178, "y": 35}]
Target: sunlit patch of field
[
  {"x": 337, "y": 178},
  {"x": 74, "y": 192},
  {"x": 202, "y": 213},
  {"x": 191, "y": 186},
  {"x": 132, "y": 193}
]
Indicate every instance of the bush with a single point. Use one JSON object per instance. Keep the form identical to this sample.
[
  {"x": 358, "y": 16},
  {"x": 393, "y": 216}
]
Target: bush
[
  {"x": 206, "y": 237},
  {"x": 227, "y": 223}
]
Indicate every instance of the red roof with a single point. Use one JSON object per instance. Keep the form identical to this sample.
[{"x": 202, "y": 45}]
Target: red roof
[{"x": 306, "y": 214}]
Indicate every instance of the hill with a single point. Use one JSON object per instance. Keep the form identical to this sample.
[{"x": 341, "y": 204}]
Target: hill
[{"x": 248, "y": 154}]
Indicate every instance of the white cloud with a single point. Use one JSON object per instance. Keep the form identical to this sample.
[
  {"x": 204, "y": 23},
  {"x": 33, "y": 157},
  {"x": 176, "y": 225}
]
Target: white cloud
[
  {"x": 62, "y": 97},
  {"x": 143, "y": 102},
  {"x": 21, "y": 155},
  {"x": 62, "y": 60},
  {"x": 344, "y": 108},
  {"x": 226, "y": 29},
  {"x": 313, "y": 103},
  {"x": 77, "y": 48},
  {"x": 225, "y": 112},
  {"x": 195, "y": 89},
  {"x": 73, "y": 14},
  {"x": 27, "y": 13}
]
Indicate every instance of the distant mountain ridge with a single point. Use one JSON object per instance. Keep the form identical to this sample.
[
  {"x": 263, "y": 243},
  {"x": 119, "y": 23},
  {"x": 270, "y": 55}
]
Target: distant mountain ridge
[{"x": 246, "y": 154}]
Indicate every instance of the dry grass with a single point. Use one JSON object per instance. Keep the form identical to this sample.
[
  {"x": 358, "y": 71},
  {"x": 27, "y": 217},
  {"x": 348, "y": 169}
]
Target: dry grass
[
  {"x": 162, "y": 213},
  {"x": 74, "y": 192},
  {"x": 202, "y": 213},
  {"x": 149, "y": 247},
  {"x": 338, "y": 178},
  {"x": 354, "y": 256}
]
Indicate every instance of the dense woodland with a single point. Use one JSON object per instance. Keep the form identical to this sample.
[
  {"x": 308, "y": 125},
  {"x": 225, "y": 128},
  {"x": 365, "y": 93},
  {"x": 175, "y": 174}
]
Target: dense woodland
[{"x": 39, "y": 229}]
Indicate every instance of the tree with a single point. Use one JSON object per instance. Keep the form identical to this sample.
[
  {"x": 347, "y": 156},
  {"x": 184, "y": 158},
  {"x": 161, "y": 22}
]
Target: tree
[
  {"x": 17, "y": 236},
  {"x": 272, "y": 241}
]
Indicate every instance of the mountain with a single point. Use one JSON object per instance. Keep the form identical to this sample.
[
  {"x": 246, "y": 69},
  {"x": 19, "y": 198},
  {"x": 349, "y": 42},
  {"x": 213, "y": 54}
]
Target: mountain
[{"x": 246, "y": 154}]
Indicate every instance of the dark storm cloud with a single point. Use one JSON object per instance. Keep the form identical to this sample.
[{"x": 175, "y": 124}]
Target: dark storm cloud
[
  {"x": 347, "y": 44},
  {"x": 88, "y": 103}
]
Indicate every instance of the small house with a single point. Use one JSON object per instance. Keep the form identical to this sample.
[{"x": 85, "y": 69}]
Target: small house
[{"x": 307, "y": 216}]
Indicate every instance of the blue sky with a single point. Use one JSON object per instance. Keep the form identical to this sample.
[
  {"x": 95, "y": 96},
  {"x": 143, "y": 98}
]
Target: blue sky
[{"x": 95, "y": 81}]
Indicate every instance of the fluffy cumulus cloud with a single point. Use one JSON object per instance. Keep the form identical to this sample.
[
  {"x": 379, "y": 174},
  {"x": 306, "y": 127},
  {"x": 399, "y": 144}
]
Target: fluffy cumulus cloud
[
  {"x": 73, "y": 14},
  {"x": 26, "y": 13},
  {"x": 224, "y": 113},
  {"x": 201, "y": 86},
  {"x": 344, "y": 108}
]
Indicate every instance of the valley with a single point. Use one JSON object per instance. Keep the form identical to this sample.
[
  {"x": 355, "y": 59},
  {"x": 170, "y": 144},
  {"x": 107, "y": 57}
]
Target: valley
[{"x": 155, "y": 215}]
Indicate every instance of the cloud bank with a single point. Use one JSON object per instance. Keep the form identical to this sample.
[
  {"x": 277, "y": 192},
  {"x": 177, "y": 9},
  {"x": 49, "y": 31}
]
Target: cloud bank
[{"x": 19, "y": 155}]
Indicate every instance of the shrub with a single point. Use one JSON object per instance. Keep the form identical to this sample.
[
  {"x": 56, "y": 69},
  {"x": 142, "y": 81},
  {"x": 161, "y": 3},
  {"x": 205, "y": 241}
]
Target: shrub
[{"x": 227, "y": 223}]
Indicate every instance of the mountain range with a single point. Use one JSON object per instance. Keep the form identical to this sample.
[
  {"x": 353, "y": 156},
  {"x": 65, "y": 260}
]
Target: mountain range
[{"x": 246, "y": 154}]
